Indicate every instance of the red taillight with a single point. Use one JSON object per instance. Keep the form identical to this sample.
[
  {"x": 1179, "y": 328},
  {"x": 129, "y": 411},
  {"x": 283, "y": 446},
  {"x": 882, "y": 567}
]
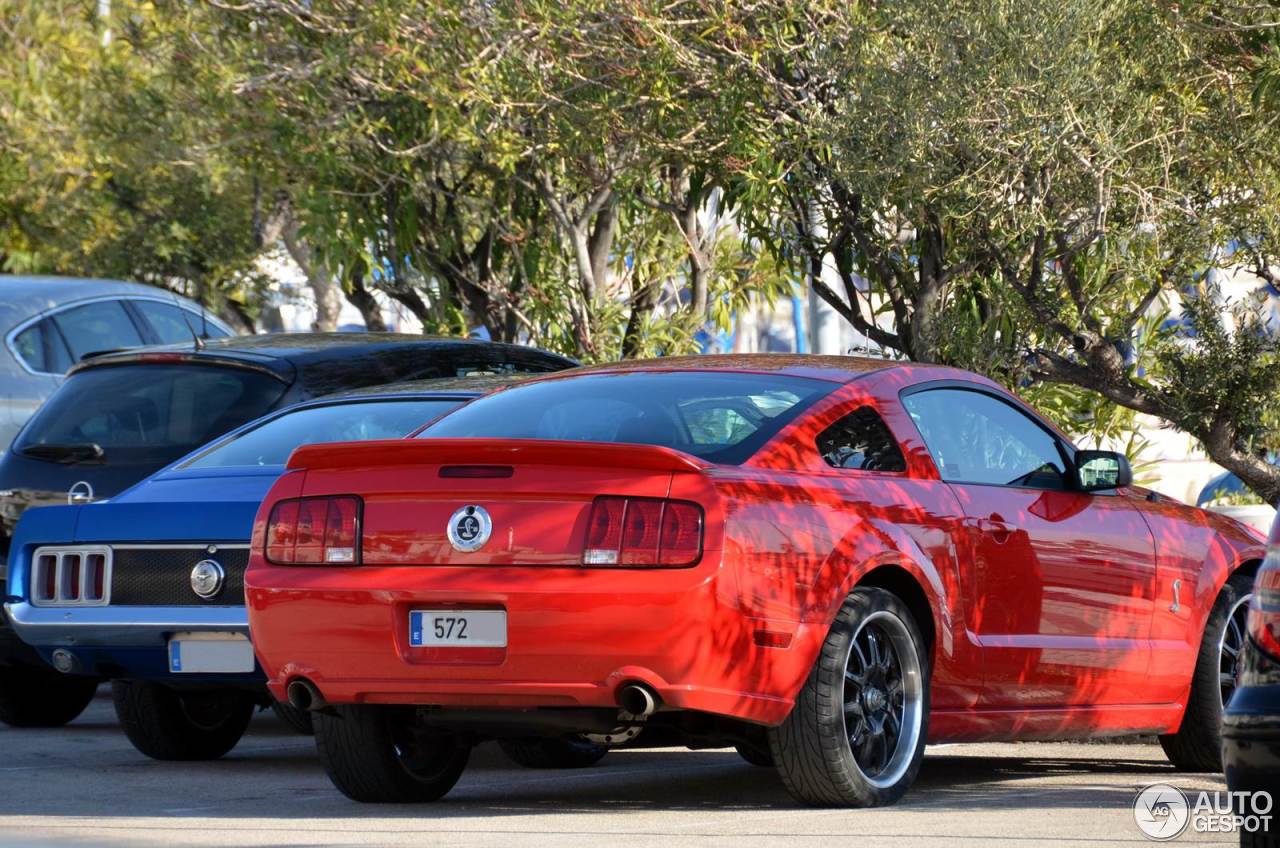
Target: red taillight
[
  {"x": 97, "y": 576},
  {"x": 604, "y": 531},
  {"x": 681, "y": 534},
  {"x": 1264, "y": 609},
  {"x": 71, "y": 577},
  {"x": 650, "y": 532},
  {"x": 311, "y": 531}
]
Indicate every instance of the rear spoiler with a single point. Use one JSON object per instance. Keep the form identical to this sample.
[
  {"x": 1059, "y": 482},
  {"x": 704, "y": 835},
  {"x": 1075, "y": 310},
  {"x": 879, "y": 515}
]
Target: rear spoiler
[{"x": 430, "y": 451}]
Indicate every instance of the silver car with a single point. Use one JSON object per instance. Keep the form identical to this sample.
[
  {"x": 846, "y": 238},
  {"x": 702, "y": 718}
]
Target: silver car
[{"x": 50, "y": 323}]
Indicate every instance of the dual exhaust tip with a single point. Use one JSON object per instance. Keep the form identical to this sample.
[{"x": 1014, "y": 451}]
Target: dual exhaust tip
[
  {"x": 304, "y": 695},
  {"x": 638, "y": 699}
]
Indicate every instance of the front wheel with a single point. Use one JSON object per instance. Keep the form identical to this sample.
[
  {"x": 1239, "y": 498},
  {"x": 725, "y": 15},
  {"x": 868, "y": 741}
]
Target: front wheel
[
  {"x": 42, "y": 697},
  {"x": 383, "y": 755},
  {"x": 1197, "y": 746},
  {"x": 168, "y": 724},
  {"x": 566, "y": 753},
  {"x": 856, "y": 735}
]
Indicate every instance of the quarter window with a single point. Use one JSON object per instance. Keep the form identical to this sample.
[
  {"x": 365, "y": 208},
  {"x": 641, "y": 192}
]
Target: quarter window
[
  {"x": 861, "y": 440},
  {"x": 976, "y": 438},
  {"x": 42, "y": 349}
]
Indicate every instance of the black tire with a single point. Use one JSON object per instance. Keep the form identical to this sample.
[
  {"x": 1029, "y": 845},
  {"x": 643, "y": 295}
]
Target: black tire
[
  {"x": 166, "y": 724},
  {"x": 1197, "y": 745},
  {"x": 814, "y": 750},
  {"x": 380, "y": 755},
  {"x": 296, "y": 719},
  {"x": 42, "y": 697},
  {"x": 566, "y": 753},
  {"x": 762, "y": 757}
]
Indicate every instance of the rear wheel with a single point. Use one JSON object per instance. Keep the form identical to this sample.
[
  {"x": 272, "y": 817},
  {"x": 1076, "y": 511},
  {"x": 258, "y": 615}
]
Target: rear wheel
[
  {"x": 166, "y": 724},
  {"x": 1197, "y": 746},
  {"x": 565, "y": 753},
  {"x": 857, "y": 732},
  {"x": 382, "y": 755},
  {"x": 296, "y": 719},
  {"x": 42, "y": 697}
]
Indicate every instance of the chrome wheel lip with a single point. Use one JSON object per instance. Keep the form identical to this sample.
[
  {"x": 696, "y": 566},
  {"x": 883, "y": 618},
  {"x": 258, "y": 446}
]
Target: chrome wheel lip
[
  {"x": 1241, "y": 604},
  {"x": 912, "y": 693}
]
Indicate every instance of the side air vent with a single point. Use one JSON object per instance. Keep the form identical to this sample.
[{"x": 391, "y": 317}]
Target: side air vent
[{"x": 70, "y": 576}]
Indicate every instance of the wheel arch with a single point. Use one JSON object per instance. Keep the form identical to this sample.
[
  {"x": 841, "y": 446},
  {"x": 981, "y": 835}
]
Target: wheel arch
[{"x": 900, "y": 582}]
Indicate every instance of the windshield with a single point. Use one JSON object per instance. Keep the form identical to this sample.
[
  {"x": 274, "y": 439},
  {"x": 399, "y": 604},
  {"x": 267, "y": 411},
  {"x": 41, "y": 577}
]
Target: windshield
[
  {"x": 722, "y": 417},
  {"x": 157, "y": 411},
  {"x": 271, "y": 442}
]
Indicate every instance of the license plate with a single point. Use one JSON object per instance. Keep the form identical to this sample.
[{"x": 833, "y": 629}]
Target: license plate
[
  {"x": 210, "y": 653},
  {"x": 458, "y": 628}
]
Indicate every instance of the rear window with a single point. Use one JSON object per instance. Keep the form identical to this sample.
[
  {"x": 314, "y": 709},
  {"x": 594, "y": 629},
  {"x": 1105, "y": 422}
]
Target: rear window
[
  {"x": 161, "y": 411},
  {"x": 721, "y": 417},
  {"x": 271, "y": 442}
]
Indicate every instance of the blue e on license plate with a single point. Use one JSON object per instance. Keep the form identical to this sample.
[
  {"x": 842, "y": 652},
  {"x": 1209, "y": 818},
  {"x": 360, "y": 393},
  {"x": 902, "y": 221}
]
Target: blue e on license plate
[
  {"x": 458, "y": 628},
  {"x": 210, "y": 653}
]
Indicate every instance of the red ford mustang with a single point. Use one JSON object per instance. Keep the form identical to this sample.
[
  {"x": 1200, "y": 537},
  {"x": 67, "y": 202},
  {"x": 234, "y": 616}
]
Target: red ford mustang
[{"x": 823, "y": 561}]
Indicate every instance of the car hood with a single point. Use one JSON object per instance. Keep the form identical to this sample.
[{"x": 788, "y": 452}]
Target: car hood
[{"x": 208, "y": 506}]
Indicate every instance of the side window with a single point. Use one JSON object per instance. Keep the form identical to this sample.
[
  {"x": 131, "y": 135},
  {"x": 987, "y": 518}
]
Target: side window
[
  {"x": 861, "y": 440},
  {"x": 173, "y": 323},
  {"x": 167, "y": 321},
  {"x": 210, "y": 330},
  {"x": 96, "y": 327},
  {"x": 42, "y": 349},
  {"x": 975, "y": 438}
]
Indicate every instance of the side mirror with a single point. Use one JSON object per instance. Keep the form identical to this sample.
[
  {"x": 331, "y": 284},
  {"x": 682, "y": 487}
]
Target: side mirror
[{"x": 1097, "y": 470}]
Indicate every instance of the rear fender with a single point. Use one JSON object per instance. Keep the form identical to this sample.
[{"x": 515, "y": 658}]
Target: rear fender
[
  {"x": 872, "y": 545},
  {"x": 47, "y": 525}
]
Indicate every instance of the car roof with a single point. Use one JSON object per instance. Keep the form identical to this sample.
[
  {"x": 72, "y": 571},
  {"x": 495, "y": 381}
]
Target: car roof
[
  {"x": 320, "y": 361},
  {"x": 450, "y": 386},
  {"x": 22, "y": 297},
  {"x": 835, "y": 369}
]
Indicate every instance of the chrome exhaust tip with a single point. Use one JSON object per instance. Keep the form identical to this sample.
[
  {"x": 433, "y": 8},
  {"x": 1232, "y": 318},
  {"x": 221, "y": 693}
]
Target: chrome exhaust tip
[
  {"x": 638, "y": 699},
  {"x": 304, "y": 695}
]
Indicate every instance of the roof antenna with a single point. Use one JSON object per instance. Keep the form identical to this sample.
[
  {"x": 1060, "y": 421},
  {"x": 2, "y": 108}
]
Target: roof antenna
[{"x": 197, "y": 343}]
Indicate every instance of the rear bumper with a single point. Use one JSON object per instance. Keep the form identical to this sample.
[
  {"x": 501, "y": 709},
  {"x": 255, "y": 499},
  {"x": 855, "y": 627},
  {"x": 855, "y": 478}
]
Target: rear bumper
[
  {"x": 124, "y": 641},
  {"x": 119, "y": 626},
  {"x": 574, "y": 637},
  {"x": 1251, "y": 740}
]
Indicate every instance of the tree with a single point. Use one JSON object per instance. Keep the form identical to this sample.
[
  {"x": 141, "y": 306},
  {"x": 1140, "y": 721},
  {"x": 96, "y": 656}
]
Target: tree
[
  {"x": 1048, "y": 172},
  {"x": 103, "y": 173}
]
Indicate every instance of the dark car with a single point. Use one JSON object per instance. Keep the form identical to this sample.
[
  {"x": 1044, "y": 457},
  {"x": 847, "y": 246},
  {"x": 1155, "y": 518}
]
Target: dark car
[
  {"x": 120, "y": 417},
  {"x": 1251, "y": 722},
  {"x": 146, "y": 589}
]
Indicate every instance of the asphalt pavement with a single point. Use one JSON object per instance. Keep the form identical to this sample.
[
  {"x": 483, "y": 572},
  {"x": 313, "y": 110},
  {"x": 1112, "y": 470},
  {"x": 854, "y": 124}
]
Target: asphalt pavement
[{"x": 84, "y": 784}]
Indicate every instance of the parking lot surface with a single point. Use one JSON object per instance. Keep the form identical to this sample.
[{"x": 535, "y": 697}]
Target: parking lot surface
[{"x": 85, "y": 784}]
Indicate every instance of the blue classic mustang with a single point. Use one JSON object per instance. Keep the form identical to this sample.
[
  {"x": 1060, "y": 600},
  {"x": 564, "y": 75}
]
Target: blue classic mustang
[{"x": 147, "y": 589}]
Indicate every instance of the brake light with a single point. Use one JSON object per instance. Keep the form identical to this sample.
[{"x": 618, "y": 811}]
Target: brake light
[
  {"x": 1264, "y": 609},
  {"x": 649, "y": 532},
  {"x": 314, "y": 531}
]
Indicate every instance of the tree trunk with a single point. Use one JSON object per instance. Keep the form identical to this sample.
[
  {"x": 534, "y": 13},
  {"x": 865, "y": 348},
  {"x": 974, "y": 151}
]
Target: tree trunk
[
  {"x": 327, "y": 294},
  {"x": 362, "y": 299},
  {"x": 642, "y": 306}
]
